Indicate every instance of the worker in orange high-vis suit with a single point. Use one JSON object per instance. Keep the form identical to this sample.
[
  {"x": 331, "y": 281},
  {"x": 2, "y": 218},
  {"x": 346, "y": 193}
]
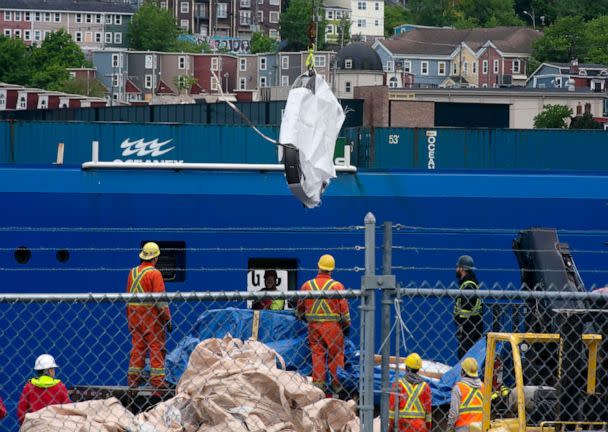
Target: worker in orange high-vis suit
[
  {"x": 328, "y": 325},
  {"x": 147, "y": 320},
  {"x": 410, "y": 400},
  {"x": 467, "y": 401}
]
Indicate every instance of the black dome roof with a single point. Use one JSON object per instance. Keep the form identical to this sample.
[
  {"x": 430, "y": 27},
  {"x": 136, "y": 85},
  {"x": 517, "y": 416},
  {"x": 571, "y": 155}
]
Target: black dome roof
[{"x": 363, "y": 57}]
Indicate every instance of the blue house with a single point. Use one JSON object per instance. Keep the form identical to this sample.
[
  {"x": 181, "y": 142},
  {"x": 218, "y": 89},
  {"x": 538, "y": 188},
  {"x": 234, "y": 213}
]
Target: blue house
[{"x": 563, "y": 75}]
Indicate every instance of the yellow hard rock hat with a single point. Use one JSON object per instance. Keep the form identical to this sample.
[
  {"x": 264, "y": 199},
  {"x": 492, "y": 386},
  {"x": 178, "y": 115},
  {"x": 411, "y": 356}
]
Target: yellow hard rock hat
[
  {"x": 413, "y": 361},
  {"x": 469, "y": 366},
  {"x": 327, "y": 263},
  {"x": 149, "y": 251}
]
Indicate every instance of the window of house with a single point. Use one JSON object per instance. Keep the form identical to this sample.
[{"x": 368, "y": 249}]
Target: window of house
[
  {"x": 8, "y": 16},
  {"x": 214, "y": 84},
  {"x": 47, "y": 33},
  {"x": 330, "y": 14},
  {"x": 393, "y": 82},
  {"x": 516, "y": 66},
  {"x": 262, "y": 63},
  {"x": 407, "y": 66},
  {"x": 260, "y": 16},
  {"x": 38, "y": 15},
  {"x": 465, "y": 67},
  {"x": 17, "y": 16},
  {"x": 348, "y": 64},
  {"x": 98, "y": 18},
  {"x": 347, "y": 87},
  {"x": 441, "y": 68},
  {"x": 495, "y": 66},
  {"x": 390, "y": 66},
  {"x": 37, "y": 35},
  {"x": 27, "y": 35},
  {"x": 98, "y": 37},
  {"x": 184, "y": 24},
  {"x": 115, "y": 80},
  {"x": 329, "y": 29},
  {"x": 362, "y": 5},
  {"x": 376, "y": 23},
  {"x": 320, "y": 60},
  {"x": 361, "y": 23},
  {"x": 284, "y": 62},
  {"x": 108, "y": 19},
  {"x": 222, "y": 10},
  {"x": 184, "y": 7},
  {"x": 27, "y": 16},
  {"x": 284, "y": 80},
  {"x": 245, "y": 3},
  {"x": 115, "y": 60},
  {"x": 215, "y": 64},
  {"x": 454, "y": 68},
  {"x": 242, "y": 64},
  {"x": 377, "y": 6},
  {"x": 7, "y": 32},
  {"x": 17, "y": 33},
  {"x": 338, "y": 14},
  {"x": 273, "y": 33},
  {"x": 273, "y": 17},
  {"x": 118, "y": 19},
  {"x": 148, "y": 81},
  {"x": 47, "y": 17},
  {"x": 108, "y": 37},
  {"x": 118, "y": 38},
  {"x": 149, "y": 61},
  {"x": 78, "y": 18},
  {"x": 57, "y": 17},
  {"x": 262, "y": 81},
  {"x": 89, "y": 18},
  {"x": 424, "y": 68},
  {"x": 484, "y": 67},
  {"x": 245, "y": 17},
  {"x": 181, "y": 62},
  {"x": 475, "y": 67},
  {"x": 78, "y": 36},
  {"x": 242, "y": 83},
  {"x": 275, "y": 2}
]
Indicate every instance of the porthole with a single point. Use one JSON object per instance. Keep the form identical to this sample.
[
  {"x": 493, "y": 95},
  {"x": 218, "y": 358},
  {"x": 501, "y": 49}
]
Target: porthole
[
  {"x": 63, "y": 255},
  {"x": 22, "y": 255}
]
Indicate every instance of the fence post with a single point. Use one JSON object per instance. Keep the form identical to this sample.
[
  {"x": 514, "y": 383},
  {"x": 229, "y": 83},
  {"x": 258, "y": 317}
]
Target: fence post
[
  {"x": 387, "y": 294},
  {"x": 366, "y": 383}
]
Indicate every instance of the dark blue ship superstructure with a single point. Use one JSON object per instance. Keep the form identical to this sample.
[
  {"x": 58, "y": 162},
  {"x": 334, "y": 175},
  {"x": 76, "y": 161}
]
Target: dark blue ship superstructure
[{"x": 64, "y": 229}]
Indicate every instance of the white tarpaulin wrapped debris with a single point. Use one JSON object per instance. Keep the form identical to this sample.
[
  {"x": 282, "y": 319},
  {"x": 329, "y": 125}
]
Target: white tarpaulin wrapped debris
[
  {"x": 311, "y": 122},
  {"x": 229, "y": 385}
]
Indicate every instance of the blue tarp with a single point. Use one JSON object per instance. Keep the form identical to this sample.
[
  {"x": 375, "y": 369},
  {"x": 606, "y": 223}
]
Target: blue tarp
[
  {"x": 279, "y": 330},
  {"x": 288, "y": 336}
]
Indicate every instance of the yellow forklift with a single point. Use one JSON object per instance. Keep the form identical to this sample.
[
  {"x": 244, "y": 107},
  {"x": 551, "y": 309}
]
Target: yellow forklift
[{"x": 521, "y": 398}]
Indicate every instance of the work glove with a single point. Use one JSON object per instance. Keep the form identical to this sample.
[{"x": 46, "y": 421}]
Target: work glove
[{"x": 169, "y": 326}]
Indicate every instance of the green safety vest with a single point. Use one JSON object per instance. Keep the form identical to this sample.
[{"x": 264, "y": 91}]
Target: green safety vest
[{"x": 459, "y": 311}]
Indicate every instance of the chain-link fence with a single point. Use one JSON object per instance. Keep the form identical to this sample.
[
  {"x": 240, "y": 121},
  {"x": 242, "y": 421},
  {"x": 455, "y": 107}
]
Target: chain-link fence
[{"x": 253, "y": 360}]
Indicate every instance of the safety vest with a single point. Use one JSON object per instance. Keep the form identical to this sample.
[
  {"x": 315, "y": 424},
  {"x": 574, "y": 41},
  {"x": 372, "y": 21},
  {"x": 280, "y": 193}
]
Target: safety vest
[
  {"x": 477, "y": 307},
  {"x": 413, "y": 408},
  {"x": 321, "y": 310},
  {"x": 471, "y": 404},
  {"x": 136, "y": 277},
  {"x": 45, "y": 381}
]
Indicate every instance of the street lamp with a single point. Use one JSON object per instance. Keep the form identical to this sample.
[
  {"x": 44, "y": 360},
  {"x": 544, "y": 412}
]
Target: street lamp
[{"x": 532, "y": 16}]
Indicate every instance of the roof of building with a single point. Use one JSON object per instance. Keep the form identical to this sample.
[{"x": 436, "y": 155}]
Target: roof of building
[
  {"x": 363, "y": 57},
  {"x": 69, "y": 5},
  {"x": 443, "y": 41},
  {"x": 580, "y": 65}
]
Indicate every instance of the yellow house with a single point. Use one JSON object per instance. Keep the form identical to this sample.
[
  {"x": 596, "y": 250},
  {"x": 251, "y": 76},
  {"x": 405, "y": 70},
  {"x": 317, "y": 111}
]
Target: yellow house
[{"x": 463, "y": 68}]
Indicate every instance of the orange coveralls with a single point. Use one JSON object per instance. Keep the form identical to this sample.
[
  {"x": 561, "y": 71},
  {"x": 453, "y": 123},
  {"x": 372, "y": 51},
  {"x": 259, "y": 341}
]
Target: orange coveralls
[
  {"x": 414, "y": 412},
  {"x": 326, "y": 318},
  {"x": 146, "y": 324}
]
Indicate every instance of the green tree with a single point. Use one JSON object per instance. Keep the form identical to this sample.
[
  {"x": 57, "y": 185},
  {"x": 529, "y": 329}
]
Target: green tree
[
  {"x": 584, "y": 121},
  {"x": 489, "y": 13},
  {"x": 152, "y": 28},
  {"x": 597, "y": 31},
  {"x": 588, "y": 9},
  {"x": 261, "y": 43},
  {"x": 433, "y": 12},
  {"x": 184, "y": 83},
  {"x": 294, "y": 24},
  {"x": 394, "y": 15},
  {"x": 84, "y": 87},
  {"x": 563, "y": 41},
  {"x": 344, "y": 36},
  {"x": 13, "y": 61},
  {"x": 187, "y": 46},
  {"x": 553, "y": 117}
]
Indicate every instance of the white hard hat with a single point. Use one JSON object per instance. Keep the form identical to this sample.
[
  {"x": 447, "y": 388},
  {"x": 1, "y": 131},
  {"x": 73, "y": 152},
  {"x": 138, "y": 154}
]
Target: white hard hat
[{"x": 45, "y": 361}]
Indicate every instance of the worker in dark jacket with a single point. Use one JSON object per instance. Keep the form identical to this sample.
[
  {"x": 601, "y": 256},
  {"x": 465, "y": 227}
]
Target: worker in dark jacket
[
  {"x": 468, "y": 312},
  {"x": 270, "y": 285}
]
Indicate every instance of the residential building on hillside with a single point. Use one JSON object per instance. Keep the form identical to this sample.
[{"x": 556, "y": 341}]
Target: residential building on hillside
[
  {"x": 93, "y": 24},
  {"x": 336, "y": 17},
  {"x": 564, "y": 75},
  {"x": 481, "y": 57},
  {"x": 247, "y": 72},
  {"x": 239, "y": 18},
  {"x": 357, "y": 64},
  {"x": 366, "y": 18}
]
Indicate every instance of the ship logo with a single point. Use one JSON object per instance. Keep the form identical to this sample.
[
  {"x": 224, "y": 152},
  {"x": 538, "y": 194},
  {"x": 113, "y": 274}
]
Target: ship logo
[{"x": 145, "y": 148}]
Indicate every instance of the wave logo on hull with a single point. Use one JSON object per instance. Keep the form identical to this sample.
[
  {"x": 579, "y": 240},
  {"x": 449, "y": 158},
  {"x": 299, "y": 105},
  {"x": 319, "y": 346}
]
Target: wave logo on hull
[{"x": 142, "y": 148}]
